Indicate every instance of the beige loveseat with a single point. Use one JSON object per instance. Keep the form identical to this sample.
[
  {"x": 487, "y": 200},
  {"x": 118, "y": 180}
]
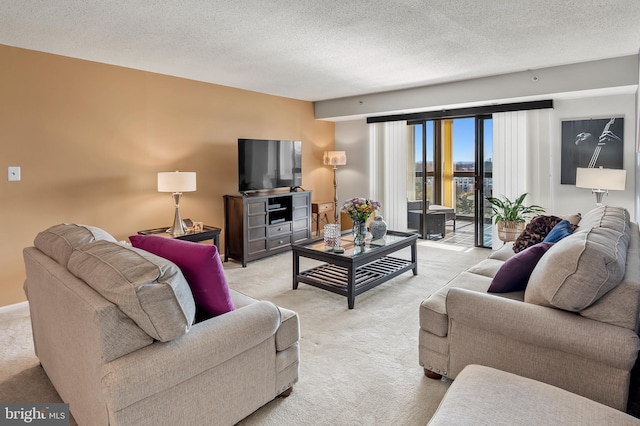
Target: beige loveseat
[
  {"x": 575, "y": 326},
  {"x": 107, "y": 365}
]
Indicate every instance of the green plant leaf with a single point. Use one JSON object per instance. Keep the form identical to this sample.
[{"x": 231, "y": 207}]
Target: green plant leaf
[{"x": 506, "y": 210}]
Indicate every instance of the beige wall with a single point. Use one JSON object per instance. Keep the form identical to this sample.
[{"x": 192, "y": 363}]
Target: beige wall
[{"x": 90, "y": 138}]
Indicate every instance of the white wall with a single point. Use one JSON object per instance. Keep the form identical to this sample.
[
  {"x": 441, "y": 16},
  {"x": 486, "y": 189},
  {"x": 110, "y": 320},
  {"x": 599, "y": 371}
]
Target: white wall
[
  {"x": 608, "y": 74},
  {"x": 568, "y": 198},
  {"x": 353, "y": 179},
  {"x": 544, "y": 151}
]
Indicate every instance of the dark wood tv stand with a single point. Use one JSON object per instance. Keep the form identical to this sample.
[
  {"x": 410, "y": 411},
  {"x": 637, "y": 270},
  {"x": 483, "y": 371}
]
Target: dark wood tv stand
[{"x": 263, "y": 224}]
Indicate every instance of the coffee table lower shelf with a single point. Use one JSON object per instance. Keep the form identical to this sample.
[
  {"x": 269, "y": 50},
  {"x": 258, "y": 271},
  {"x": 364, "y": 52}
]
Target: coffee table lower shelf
[{"x": 335, "y": 278}]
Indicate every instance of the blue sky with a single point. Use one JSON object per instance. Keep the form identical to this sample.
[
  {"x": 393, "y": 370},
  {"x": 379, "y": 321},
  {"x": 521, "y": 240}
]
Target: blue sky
[{"x": 463, "y": 140}]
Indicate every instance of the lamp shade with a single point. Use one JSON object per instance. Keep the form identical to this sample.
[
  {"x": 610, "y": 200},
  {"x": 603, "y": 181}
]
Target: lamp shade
[
  {"x": 599, "y": 178},
  {"x": 176, "y": 181},
  {"x": 335, "y": 158}
]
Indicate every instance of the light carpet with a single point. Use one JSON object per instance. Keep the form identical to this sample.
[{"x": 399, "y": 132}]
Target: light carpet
[{"x": 357, "y": 366}]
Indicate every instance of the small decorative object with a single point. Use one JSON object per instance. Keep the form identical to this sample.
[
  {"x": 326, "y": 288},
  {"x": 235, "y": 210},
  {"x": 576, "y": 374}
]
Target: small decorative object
[
  {"x": 198, "y": 226},
  {"x": 378, "y": 228},
  {"x": 359, "y": 210},
  {"x": 510, "y": 216},
  {"x": 332, "y": 236}
]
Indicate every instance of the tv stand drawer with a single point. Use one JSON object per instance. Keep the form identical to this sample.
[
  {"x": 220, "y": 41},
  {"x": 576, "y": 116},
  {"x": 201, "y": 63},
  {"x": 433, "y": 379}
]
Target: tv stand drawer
[
  {"x": 280, "y": 229},
  {"x": 282, "y": 241}
]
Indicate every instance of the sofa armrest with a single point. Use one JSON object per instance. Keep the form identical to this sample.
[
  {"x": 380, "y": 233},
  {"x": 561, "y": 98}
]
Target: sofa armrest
[
  {"x": 159, "y": 366},
  {"x": 544, "y": 327}
]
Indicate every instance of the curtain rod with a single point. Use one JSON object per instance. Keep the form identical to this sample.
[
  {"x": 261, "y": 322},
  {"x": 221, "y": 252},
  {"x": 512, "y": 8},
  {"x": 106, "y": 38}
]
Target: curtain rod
[{"x": 464, "y": 112}]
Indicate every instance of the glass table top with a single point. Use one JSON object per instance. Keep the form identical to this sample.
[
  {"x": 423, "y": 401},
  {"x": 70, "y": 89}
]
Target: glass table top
[{"x": 346, "y": 244}]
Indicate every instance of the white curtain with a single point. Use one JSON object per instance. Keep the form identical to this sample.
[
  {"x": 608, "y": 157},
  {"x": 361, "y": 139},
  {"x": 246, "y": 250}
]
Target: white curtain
[
  {"x": 522, "y": 154},
  {"x": 388, "y": 168}
]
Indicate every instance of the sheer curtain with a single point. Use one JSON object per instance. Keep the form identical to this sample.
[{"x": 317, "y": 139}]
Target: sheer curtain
[
  {"x": 388, "y": 170},
  {"x": 522, "y": 162},
  {"x": 522, "y": 158}
]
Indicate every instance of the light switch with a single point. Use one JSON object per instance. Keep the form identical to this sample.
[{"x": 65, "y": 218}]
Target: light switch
[{"x": 14, "y": 173}]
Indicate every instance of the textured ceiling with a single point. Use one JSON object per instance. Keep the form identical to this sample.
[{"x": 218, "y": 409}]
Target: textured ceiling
[{"x": 317, "y": 50}]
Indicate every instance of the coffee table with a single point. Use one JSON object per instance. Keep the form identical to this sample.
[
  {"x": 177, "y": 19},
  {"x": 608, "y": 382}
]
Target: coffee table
[{"x": 354, "y": 272}]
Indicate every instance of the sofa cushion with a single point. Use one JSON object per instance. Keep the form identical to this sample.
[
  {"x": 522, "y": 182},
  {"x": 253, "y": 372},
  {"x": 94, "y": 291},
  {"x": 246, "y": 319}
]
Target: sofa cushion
[
  {"x": 535, "y": 231},
  {"x": 200, "y": 265},
  {"x": 617, "y": 307},
  {"x": 58, "y": 241},
  {"x": 149, "y": 289},
  {"x": 610, "y": 217},
  {"x": 561, "y": 230},
  {"x": 487, "y": 267},
  {"x": 579, "y": 269},
  {"x": 504, "y": 252},
  {"x": 515, "y": 272}
]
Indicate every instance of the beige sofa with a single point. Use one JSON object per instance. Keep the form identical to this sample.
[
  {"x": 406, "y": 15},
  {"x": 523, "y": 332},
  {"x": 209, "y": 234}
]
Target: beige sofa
[
  {"x": 485, "y": 396},
  {"x": 107, "y": 366},
  {"x": 575, "y": 326}
]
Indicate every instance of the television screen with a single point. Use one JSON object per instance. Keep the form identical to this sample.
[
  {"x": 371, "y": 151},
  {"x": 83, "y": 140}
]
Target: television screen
[{"x": 268, "y": 164}]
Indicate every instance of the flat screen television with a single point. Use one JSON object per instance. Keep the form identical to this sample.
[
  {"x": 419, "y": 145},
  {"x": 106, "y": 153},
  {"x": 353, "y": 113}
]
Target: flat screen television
[{"x": 269, "y": 164}]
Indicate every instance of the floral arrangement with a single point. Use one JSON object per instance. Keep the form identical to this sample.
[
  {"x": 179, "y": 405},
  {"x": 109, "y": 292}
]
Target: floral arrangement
[{"x": 359, "y": 209}]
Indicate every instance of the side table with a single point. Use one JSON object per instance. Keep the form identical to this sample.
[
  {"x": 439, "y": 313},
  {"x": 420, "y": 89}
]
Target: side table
[
  {"x": 321, "y": 211},
  {"x": 207, "y": 233}
]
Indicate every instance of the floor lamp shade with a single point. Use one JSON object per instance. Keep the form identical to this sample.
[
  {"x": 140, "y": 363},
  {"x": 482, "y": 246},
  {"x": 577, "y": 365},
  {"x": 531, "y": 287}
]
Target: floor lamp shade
[
  {"x": 601, "y": 180},
  {"x": 177, "y": 183},
  {"x": 334, "y": 158}
]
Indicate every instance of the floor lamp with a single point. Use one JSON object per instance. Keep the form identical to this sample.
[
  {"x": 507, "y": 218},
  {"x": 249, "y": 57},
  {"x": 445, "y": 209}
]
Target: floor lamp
[
  {"x": 600, "y": 180},
  {"x": 335, "y": 159},
  {"x": 177, "y": 183}
]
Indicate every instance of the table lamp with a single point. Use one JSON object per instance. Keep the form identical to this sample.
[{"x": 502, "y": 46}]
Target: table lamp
[
  {"x": 335, "y": 159},
  {"x": 600, "y": 180},
  {"x": 177, "y": 183}
]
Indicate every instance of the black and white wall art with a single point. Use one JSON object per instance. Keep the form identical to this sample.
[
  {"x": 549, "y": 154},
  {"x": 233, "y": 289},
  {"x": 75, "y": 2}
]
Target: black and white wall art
[{"x": 591, "y": 143}]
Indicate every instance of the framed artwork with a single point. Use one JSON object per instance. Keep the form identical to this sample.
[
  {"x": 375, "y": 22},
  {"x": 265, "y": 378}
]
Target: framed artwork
[{"x": 591, "y": 143}]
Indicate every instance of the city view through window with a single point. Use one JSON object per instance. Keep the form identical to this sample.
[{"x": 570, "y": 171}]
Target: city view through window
[{"x": 460, "y": 176}]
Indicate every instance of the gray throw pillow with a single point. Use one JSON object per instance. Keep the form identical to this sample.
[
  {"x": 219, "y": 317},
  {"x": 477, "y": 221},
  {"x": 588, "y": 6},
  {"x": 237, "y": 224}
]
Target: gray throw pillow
[
  {"x": 579, "y": 269},
  {"x": 149, "y": 289},
  {"x": 58, "y": 241}
]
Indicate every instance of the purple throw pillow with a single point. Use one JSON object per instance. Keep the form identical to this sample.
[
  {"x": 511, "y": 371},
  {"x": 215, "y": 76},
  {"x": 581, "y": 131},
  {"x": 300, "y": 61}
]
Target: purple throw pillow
[
  {"x": 201, "y": 266},
  {"x": 514, "y": 274}
]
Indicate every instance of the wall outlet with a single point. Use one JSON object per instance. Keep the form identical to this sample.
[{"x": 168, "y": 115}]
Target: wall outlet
[{"x": 14, "y": 173}]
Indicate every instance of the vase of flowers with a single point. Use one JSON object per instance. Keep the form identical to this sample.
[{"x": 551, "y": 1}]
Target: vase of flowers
[{"x": 359, "y": 210}]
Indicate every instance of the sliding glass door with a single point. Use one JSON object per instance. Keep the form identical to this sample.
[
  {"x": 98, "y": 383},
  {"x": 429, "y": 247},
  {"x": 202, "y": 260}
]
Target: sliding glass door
[
  {"x": 423, "y": 179},
  {"x": 463, "y": 167},
  {"x": 483, "y": 180},
  {"x": 450, "y": 167}
]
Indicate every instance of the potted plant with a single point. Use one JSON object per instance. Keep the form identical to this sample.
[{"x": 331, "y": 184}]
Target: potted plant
[{"x": 510, "y": 216}]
